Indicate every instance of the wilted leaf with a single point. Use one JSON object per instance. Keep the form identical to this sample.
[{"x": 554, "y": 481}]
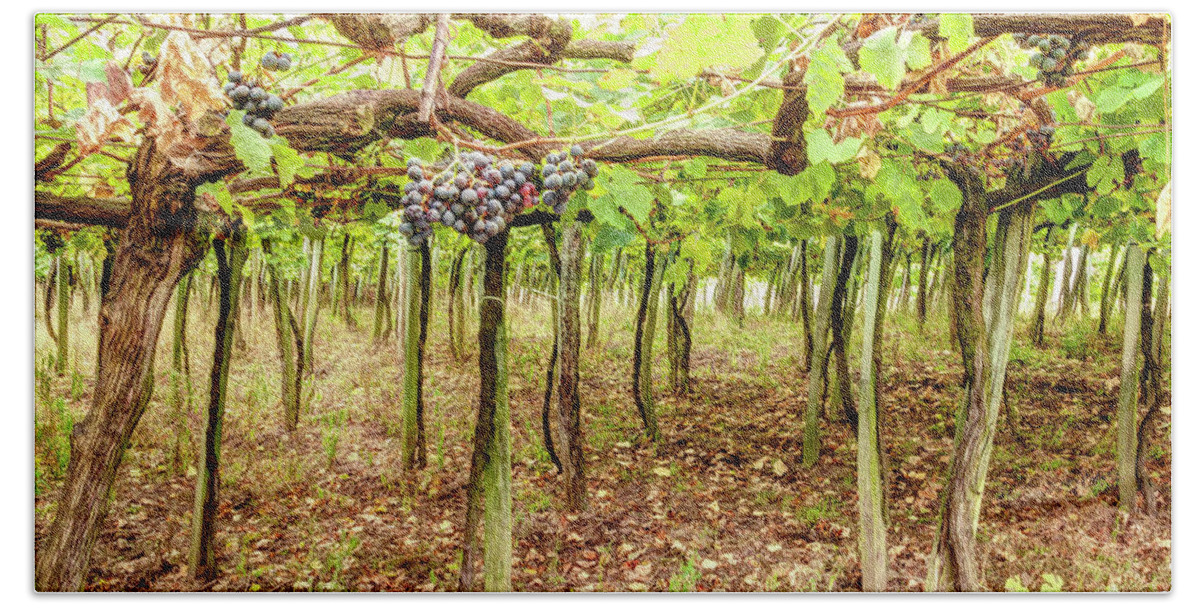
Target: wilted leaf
[
  {"x": 116, "y": 87},
  {"x": 101, "y": 123},
  {"x": 868, "y": 163},
  {"x": 187, "y": 78}
]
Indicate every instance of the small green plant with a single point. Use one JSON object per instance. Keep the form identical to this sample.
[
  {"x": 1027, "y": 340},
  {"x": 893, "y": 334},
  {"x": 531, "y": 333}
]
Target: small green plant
[
  {"x": 685, "y": 580},
  {"x": 76, "y": 385},
  {"x": 1077, "y": 341},
  {"x": 331, "y": 433},
  {"x": 1053, "y": 584}
]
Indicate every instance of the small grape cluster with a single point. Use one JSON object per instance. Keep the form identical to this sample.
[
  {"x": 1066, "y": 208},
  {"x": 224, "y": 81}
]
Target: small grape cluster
[
  {"x": 148, "y": 62},
  {"x": 477, "y": 196},
  {"x": 248, "y": 95},
  {"x": 929, "y": 175},
  {"x": 273, "y": 62},
  {"x": 563, "y": 173},
  {"x": 1040, "y": 138},
  {"x": 1054, "y": 57},
  {"x": 958, "y": 152}
]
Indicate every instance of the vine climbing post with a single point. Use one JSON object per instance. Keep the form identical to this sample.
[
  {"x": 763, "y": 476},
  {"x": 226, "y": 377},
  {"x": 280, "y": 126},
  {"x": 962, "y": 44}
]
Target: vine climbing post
[
  {"x": 872, "y": 527},
  {"x": 818, "y": 365},
  {"x": 491, "y": 459},
  {"x": 1135, "y": 259}
]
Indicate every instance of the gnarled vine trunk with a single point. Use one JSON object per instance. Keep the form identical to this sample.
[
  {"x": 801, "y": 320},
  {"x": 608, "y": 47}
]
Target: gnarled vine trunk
[
  {"x": 985, "y": 317},
  {"x": 163, "y": 240}
]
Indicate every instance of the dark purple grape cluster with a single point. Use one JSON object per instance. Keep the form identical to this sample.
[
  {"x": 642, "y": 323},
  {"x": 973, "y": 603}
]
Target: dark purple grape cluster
[
  {"x": 563, "y": 174},
  {"x": 1041, "y": 137},
  {"x": 477, "y": 196},
  {"x": 148, "y": 62},
  {"x": 1054, "y": 57},
  {"x": 248, "y": 95},
  {"x": 281, "y": 62},
  {"x": 958, "y": 152}
]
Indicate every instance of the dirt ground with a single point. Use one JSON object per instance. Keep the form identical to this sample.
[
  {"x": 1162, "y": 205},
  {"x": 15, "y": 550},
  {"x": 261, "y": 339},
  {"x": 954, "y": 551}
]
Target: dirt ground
[{"x": 721, "y": 503}]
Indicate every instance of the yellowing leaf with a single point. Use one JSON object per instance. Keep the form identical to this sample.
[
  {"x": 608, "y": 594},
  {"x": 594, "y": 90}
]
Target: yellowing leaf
[
  {"x": 101, "y": 123},
  {"x": 186, "y": 77},
  {"x": 868, "y": 163},
  {"x": 706, "y": 41}
]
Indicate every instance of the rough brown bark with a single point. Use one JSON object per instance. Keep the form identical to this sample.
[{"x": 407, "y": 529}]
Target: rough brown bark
[
  {"x": 163, "y": 241},
  {"x": 569, "y": 423}
]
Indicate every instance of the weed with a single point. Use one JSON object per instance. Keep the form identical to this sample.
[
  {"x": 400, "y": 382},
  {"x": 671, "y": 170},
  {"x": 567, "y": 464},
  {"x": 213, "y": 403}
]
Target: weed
[
  {"x": 331, "y": 433},
  {"x": 686, "y": 578}
]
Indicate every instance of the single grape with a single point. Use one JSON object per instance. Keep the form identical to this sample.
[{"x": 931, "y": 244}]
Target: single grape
[{"x": 576, "y": 150}]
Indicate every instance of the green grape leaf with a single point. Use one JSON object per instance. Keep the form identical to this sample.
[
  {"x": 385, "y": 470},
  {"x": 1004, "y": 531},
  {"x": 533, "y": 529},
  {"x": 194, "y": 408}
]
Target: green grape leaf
[
  {"x": 1105, "y": 174},
  {"x": 821, "y": 147},
  {"x": 824, "y": 76},
  {"x": 248, "y": 145},
  {"x": 919, "y": 56},
  {"x": 944, "y": 195},
  {"x": 957, "y": 29},
  {"x": 695, "y": 167},
  {"x": 882, "y": 56},
  {"x": 287, "y": 161},
  {"x": 621, "y": 189},
  {"x": 218, "y": 192}
]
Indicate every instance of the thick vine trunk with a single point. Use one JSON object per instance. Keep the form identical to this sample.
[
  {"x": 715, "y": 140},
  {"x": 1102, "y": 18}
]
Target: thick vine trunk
[
  {"x": 1107, "y": 291},
  {"x": 643, "y": 342},
  {"x": 63, "y": 290},
  {"x": 162, "y": 242},
  {"x": 680, "y": 333},
  {"x": 1135, "y": 260},
  {"x": 840, "y": 332},
  {"x": 202, "y": 562},
  {"x": 595, "y": 270},
  {"x": 491, "y": 461},
  {"x": 347, "y": 295},
  {"x": 923, "y": 282},
  {"x": 416, "y": 277},
  {"x": 552, "y": 364},
  {"x": 806, "y": 307},
  {"x": 816, "y": 377},
  {"x": 315, "y": 248},
  {"x": 1079, "y": 295},
  {"x": 1066, "y": 272},
  {"x": 1151, "y": 381},
  {"x": 985, "y": 317},
  {"x": 455, "y": 305}
]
